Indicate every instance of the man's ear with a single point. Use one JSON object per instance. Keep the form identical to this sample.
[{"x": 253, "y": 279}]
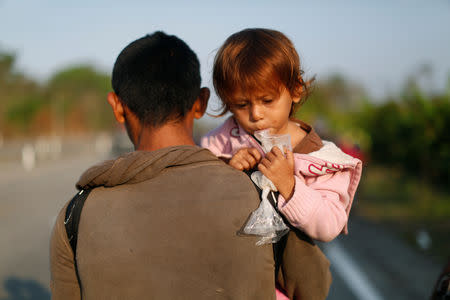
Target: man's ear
[
  {"x": 117, "y": 107},
  {"x": 201, "y": 103}
]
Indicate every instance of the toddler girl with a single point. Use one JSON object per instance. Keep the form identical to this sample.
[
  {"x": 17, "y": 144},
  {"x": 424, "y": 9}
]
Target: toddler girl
[{"x": 258, "y": 78}]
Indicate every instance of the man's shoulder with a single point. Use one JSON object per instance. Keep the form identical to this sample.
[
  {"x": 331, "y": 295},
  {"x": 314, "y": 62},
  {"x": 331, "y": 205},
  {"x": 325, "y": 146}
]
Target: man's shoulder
[
  {"x": 221, "y": 173},
  {"x": 138, "y": 166}
]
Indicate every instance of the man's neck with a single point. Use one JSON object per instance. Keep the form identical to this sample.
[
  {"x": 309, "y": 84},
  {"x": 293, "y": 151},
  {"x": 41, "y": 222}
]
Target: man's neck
[{"x": 170, "y": 134}]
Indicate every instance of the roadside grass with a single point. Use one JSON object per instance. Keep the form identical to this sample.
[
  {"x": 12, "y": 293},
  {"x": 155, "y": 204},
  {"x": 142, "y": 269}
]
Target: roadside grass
[{"x": 416, "y": 210}]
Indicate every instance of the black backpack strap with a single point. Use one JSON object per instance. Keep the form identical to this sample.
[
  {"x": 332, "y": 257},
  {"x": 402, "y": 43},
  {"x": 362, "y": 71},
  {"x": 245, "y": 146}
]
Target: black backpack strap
[{"x": 71, "y": 222}]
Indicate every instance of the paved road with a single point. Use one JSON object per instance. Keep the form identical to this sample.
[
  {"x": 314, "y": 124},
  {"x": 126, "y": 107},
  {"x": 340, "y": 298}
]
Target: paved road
[
  {"x": 29, "y": 202},
  {"x": 368, "y": 264},
  {"x": 371, "y": 263}
]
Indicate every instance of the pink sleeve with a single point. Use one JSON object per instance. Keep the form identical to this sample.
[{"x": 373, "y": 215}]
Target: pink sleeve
[
  {"x": 218, "y": 140},
  {"x": 217, "y": 145},
  {"x": 280, "y": 295},
  {"x": 228, "y": 138},
  {"x": 320, "y": 204}
]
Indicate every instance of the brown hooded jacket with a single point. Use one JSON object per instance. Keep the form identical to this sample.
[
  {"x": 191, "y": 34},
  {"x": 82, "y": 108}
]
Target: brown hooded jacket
[{"x": 163, "y": 225}]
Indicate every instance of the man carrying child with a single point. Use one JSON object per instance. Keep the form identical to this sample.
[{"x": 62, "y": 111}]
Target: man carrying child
[{"x": 161, "y": 222}]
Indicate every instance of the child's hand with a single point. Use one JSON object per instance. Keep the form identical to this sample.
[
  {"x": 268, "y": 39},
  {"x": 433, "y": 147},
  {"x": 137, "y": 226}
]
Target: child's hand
[
  {"x": 280, "y": 170},
  {"x": 245, "y": 159}
]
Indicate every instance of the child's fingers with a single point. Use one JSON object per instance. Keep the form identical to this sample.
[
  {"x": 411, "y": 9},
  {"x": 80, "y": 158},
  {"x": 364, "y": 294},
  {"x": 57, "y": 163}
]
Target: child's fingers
[
  {"x": 251, "y": 163},
  {"x": 290, "y": 157},
  {"x": 265, "y": 163},
  {"x": 275, "y": 150},
  {"x": 244, "y": 163},
  {"x": 245, "y": 159},
  {"x": 265, "y": 170},
  {"x": 236, "y": 165},
  {"x": 270, "y": 156},
  {"x": 250, "y": 159},
  {"x": 255, "y": 153},
  {"x": 262, "y": 168}
]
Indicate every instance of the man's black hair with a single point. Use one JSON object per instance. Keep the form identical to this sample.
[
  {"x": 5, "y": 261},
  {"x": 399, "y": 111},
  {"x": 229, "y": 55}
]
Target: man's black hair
[{"x": 157, "y": 77}]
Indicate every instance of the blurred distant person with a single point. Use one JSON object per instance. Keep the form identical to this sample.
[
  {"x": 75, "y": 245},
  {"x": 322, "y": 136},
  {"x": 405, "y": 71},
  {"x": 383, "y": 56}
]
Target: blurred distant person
[
  {"x": 161, "y": 222},
  {"x": 258, "y": 78},
  {"x": 351, "y": 148}
]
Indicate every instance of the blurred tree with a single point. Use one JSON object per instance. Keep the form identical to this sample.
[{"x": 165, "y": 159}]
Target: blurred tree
[
  {"x": 16, "y": 91},
  {"x": 6, "y": 65},
  {"x": 407, "y": 131},
  {"x": 410, "y": 133},
  {"x": 332, "y": 107},
  {"x": 73, "y": 100},
  {"x": 77, "y": 97}
]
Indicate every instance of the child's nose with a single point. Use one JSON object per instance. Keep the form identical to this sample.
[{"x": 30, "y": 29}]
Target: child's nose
[{"x": 256, "y": 112}]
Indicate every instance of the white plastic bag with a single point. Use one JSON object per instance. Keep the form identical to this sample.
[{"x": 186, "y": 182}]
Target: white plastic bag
[
  {"x": 265, "y": 221},
  {"x": 268, "y": 140}
]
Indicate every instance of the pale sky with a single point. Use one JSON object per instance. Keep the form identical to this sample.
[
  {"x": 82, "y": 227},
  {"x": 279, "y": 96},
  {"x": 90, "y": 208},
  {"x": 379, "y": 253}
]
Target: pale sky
[{"x": 375, "y": 43}]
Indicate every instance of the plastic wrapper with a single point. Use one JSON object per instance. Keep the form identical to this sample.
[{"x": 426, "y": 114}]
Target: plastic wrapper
[
  {"x": 265, "y": 220},
  {"x": 268, "y": 140}
]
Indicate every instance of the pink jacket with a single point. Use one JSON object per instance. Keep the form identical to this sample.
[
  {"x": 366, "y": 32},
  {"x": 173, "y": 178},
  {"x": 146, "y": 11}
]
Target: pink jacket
[{"x": 325, "y": 182}]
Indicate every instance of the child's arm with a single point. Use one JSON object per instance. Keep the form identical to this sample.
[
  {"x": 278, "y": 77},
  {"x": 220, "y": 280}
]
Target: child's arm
[
  {"x": 319, "y": 205},
  {"x": 217, "y": 144}
]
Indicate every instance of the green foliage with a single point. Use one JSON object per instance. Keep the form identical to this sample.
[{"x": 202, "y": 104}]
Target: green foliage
[
  {"x": 411, "y": 133},
  {"x": 78, "y": 80},
  {"x": 407, "y": 132},
  {"x": 401, "y": 196},
  {"x": 333, "y": 107},
  {"x": 6, "y": 65},
  {"x": 82, "y": 89},
  {"x": 16, "y": 90},
  {"x": 22, "y": 112},
  {"x": 74, "y": 99}
]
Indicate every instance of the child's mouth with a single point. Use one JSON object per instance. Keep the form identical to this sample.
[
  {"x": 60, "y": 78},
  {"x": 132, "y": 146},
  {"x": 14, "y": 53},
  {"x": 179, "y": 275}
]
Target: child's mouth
[{"x": 266, "y": 130}]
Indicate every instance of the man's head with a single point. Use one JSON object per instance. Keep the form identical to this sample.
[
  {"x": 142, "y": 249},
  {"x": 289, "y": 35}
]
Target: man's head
[{"x": 156, "y": 80}]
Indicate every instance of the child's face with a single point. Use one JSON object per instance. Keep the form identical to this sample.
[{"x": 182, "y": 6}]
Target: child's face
[{"x": 263, "y": 111}]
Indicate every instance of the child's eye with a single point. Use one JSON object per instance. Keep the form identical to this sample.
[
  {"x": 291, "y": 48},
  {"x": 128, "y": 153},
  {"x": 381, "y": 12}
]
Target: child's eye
[
  {"x": 267, "y": 101},
  {"x": 240, "y": 105}
]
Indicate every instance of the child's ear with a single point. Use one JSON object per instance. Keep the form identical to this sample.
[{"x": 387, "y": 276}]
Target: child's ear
[
  {"x": 117, "y": 107},
  {"x": 297, "y": 95},
  {"x": 201, "y": 103}
]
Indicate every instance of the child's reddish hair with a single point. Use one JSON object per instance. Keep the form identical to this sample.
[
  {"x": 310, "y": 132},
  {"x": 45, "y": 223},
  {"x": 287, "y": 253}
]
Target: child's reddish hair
[{"x": 256, "y": 60}]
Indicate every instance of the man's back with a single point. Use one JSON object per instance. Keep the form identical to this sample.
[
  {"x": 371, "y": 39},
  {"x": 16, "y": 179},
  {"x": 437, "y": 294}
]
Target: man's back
[{"x": 163, "y": 225}]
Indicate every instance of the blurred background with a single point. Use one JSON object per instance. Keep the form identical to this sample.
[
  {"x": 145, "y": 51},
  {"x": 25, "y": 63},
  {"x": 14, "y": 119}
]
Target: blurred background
[{"x": 382, "y": 92}]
